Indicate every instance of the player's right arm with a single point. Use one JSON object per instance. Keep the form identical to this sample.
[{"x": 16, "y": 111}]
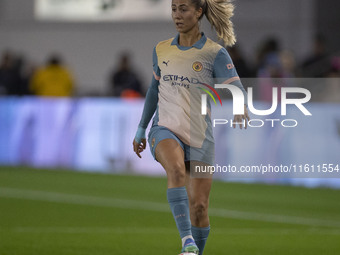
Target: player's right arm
[{"x": 150, "y": 106}]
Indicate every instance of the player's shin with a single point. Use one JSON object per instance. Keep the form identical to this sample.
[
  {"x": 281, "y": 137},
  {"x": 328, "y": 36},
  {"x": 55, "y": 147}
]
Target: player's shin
[
  {"x": 178, "y": 201},
  {"x": 179, "y": 204}
]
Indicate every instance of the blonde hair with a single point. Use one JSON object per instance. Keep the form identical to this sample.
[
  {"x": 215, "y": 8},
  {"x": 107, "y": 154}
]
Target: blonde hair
[{"x": 219, "y": 13}]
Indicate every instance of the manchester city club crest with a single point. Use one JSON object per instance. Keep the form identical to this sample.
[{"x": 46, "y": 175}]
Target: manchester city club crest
[{"x": 197, "y": 66}]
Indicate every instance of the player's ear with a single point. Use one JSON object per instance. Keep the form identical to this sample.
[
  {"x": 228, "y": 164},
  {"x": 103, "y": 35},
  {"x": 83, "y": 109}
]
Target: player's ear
[{"x": 199, "y": 13}]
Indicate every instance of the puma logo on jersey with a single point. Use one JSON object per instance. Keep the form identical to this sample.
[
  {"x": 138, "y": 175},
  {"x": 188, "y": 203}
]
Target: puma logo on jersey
[{"x": 166, "y": 63}]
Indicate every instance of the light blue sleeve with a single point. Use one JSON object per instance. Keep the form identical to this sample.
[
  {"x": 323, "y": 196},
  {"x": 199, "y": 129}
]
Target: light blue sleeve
[
  {"x": 151, "y": 101},
  {"x": 224, "y": 71},
  {"x": 155, "y": 66},
  {"x": 150, "y": 105}
]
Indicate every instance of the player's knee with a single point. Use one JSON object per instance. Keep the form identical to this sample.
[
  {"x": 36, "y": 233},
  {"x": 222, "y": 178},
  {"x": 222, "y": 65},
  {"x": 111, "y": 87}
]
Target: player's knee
[
  {"x": 176, "y": 172},
  {"x": 200, "y": 209}
]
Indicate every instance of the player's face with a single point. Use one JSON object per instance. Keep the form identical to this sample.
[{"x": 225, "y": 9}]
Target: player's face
[{"x": 185, "y": 15}]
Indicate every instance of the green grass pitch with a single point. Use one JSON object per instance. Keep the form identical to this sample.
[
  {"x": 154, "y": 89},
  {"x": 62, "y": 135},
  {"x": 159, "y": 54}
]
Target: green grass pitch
[{"x": 49, "y": 212}]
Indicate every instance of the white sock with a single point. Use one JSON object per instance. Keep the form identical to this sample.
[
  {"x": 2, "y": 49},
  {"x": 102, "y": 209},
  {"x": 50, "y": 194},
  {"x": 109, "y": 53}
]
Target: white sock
[{"x": 185, "y": 238}]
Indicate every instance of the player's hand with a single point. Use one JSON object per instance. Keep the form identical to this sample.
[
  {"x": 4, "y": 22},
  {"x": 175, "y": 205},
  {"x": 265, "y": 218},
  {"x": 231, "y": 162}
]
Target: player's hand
[
  {"x": 242, "y": 118},
  {"x": 139, "y": 147},
  {"x": 139, "y": 142}
]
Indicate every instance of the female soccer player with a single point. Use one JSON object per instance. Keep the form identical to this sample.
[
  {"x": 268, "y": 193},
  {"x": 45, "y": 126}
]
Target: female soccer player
[{"x": 181, "y": 137}]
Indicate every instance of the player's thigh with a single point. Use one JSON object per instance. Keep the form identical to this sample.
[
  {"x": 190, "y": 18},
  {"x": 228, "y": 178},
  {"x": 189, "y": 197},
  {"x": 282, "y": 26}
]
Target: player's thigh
[{"x": 170, "y": 155}]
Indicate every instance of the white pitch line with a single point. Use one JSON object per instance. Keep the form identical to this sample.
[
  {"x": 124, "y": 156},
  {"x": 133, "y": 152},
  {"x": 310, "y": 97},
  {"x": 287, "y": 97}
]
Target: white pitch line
[
  {"x": 273, "y": 218},
  {"x": 157, "y": 207},
  {"x": 143, "y": 230},
  {"x": 91, "y": 230},
  {"x": 82, "y": 200}
]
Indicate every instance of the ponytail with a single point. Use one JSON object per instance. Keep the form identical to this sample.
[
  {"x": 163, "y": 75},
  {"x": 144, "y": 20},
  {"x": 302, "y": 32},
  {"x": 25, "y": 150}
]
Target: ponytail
[{"x": 219, "y": 13}]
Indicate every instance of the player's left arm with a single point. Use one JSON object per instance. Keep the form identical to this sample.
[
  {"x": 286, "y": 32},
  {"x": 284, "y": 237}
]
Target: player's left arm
[
  {"x": 225, "y": 72},
  {"x": 150, "y": 106}
]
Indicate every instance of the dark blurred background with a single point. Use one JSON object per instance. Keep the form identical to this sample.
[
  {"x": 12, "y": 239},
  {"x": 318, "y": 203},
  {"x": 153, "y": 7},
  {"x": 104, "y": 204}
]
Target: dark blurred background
[{"x": 299, "y": 37}]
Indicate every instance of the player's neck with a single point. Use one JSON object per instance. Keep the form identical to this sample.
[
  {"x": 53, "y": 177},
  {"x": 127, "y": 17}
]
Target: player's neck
[{"x": 189, "y": 38}]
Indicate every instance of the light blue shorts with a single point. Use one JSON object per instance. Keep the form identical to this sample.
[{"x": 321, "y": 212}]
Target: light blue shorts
[{"x": 205, "y": 154}]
